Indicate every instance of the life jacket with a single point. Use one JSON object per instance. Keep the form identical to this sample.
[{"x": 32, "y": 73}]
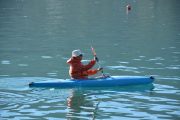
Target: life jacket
[{"x": 79, "y": 71}]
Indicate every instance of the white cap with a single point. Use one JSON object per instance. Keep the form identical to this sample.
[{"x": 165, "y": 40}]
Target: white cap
[{"x": 76, "y": 53}]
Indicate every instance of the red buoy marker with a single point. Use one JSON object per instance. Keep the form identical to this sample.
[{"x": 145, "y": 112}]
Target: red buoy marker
[{"x": 128, "y": 7}]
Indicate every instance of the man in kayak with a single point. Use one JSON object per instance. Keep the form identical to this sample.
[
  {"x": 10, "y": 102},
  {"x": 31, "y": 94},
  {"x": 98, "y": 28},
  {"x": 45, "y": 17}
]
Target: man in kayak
[{"x": 79, "y": 71}]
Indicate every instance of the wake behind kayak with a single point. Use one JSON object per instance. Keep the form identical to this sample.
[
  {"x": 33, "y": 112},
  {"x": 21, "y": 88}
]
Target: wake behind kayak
[{"x": 110, "y": 81}]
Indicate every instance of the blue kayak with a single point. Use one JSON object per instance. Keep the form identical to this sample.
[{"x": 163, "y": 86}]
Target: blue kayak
[{"x": 110, "y": 81}]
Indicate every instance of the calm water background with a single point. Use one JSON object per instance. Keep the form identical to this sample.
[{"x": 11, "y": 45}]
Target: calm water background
[{"x": 37, "y": 37}]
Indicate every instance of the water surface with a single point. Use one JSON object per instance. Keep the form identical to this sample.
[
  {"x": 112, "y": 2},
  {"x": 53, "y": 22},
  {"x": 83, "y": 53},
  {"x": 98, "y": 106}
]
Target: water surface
[{"x": 37, "y": 37}]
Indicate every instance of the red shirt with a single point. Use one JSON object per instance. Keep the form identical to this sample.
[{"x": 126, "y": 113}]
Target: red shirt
[{"x": 78, "y": 70}]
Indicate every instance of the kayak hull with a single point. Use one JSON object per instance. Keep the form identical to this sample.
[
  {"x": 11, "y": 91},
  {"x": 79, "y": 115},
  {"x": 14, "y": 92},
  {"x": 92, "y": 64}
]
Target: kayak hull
[{"x": 111, "y": 81}]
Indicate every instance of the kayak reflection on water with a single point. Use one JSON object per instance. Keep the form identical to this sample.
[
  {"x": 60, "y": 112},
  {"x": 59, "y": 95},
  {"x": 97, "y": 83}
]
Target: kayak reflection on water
[
  {"x": 77, "y": 102},
  {"x": 86, "y": 101}
]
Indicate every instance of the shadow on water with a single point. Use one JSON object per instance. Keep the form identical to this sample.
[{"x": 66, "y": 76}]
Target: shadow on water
[{"x": 129, "y": 88}]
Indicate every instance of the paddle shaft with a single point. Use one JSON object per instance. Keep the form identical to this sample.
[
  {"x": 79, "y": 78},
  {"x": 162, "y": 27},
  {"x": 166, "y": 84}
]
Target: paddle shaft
[{"x": 97, "y": 60}]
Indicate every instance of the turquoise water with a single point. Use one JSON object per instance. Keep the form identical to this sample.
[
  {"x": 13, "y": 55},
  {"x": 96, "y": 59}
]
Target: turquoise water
[{"x": 37, "y": 37}]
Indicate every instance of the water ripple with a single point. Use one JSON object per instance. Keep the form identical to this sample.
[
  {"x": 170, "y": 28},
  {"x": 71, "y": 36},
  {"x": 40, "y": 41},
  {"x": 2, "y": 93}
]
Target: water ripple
[
  {"x": 5, "y": 62},
  {"x": 124, "y": 68}
]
